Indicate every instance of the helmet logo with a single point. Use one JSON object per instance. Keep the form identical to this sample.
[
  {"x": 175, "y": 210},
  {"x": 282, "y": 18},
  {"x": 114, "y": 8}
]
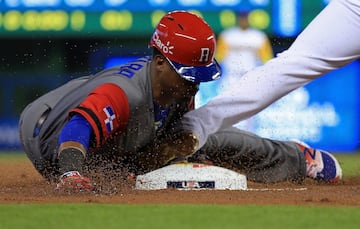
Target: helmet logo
[
  {"x": 205, "y": 53},
  {"x": 165, "y": 48}
]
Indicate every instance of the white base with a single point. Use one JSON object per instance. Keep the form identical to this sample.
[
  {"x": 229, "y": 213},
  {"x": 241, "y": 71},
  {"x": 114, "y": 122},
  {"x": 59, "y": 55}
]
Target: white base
[{"x": 191, "y": 176}]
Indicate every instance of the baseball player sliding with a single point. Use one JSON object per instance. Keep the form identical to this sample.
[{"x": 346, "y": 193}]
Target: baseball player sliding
[{"x": 123, "y": 119}]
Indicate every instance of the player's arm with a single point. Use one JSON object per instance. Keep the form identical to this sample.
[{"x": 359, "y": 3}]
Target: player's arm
[
  {"x": 103, "y": 112},
  {"x": 74, "y": 143}
]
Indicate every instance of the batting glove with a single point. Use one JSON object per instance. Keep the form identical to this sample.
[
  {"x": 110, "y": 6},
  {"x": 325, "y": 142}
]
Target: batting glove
[{"x": 74, "y": 182}]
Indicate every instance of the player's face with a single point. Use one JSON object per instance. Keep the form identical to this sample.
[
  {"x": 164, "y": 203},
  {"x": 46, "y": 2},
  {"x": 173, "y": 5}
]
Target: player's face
[
  {"x": 243, "y": 22},
  {"x": 174, "y": 88}
]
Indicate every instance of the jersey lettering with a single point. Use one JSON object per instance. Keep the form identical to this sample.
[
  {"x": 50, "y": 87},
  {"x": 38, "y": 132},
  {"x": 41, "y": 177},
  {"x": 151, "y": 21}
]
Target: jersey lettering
[
  {"x": 129, "y": 70},
  {"x": 126, "y": 72}
]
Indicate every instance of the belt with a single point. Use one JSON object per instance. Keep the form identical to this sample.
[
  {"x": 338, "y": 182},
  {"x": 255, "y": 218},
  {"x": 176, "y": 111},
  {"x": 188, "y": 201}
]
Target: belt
[{"x": 40, "y": 122}]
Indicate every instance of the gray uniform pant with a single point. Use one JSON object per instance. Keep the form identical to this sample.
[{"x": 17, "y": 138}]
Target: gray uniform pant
[{"x": 261, "y": 159}]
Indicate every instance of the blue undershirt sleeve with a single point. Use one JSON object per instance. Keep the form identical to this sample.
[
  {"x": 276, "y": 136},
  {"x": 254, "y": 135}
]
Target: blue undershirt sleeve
[{"x": 77, "y": 129}]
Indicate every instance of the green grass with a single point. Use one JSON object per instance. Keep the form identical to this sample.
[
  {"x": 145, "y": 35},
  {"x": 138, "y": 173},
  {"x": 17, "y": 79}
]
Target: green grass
[
  {"x": 13, "y": 155},
  {"x": 181, "y": 216},
  {"x": 107, "y": 216},
  {"x": 350, "y": 163}
]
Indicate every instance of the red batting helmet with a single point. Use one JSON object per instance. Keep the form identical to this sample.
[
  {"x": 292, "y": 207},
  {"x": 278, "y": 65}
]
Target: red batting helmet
[{"x": 188, "y": 43}]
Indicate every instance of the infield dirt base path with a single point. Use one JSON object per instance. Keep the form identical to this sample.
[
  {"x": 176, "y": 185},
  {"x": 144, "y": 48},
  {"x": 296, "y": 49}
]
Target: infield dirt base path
[{"x": 20, "y": 183}]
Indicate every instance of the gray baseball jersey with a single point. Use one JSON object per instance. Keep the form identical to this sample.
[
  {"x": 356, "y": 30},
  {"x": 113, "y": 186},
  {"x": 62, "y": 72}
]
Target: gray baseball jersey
[{"x": 42, "y": 120}]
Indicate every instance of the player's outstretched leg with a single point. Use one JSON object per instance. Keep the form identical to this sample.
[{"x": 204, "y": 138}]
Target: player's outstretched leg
[{"x": 320, "y": 165}]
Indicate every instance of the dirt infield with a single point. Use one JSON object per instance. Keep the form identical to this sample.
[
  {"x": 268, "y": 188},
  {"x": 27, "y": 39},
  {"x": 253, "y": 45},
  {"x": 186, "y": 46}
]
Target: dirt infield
[{"x": 20, "y": 183}]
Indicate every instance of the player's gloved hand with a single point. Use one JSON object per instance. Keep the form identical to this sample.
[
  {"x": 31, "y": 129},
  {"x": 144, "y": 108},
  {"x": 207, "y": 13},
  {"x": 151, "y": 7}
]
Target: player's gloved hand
[
  {"x": 74, "y": 182},
  {"x": 179, "y": 145}
]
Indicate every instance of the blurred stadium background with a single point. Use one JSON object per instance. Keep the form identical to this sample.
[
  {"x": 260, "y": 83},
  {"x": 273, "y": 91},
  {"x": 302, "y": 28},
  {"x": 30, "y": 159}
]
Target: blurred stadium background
[{"x": 45, "y": 43}]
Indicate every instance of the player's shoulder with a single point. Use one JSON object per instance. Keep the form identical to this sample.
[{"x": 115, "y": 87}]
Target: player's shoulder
[
  {"x": 134, "y": 65},
  {"x": 127, "y": 70},
  {"x": 230, "y": 31},
  {"x": 257, "y": 32}
]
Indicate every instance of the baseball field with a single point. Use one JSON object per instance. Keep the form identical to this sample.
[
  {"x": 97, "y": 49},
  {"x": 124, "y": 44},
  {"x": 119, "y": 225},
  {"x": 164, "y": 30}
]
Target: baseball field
[{"x": 29, "y": 201}]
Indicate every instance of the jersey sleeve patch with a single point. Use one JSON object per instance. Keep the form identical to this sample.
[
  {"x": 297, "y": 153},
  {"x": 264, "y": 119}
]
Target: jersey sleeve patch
[{"x": 107, "y": 110}]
